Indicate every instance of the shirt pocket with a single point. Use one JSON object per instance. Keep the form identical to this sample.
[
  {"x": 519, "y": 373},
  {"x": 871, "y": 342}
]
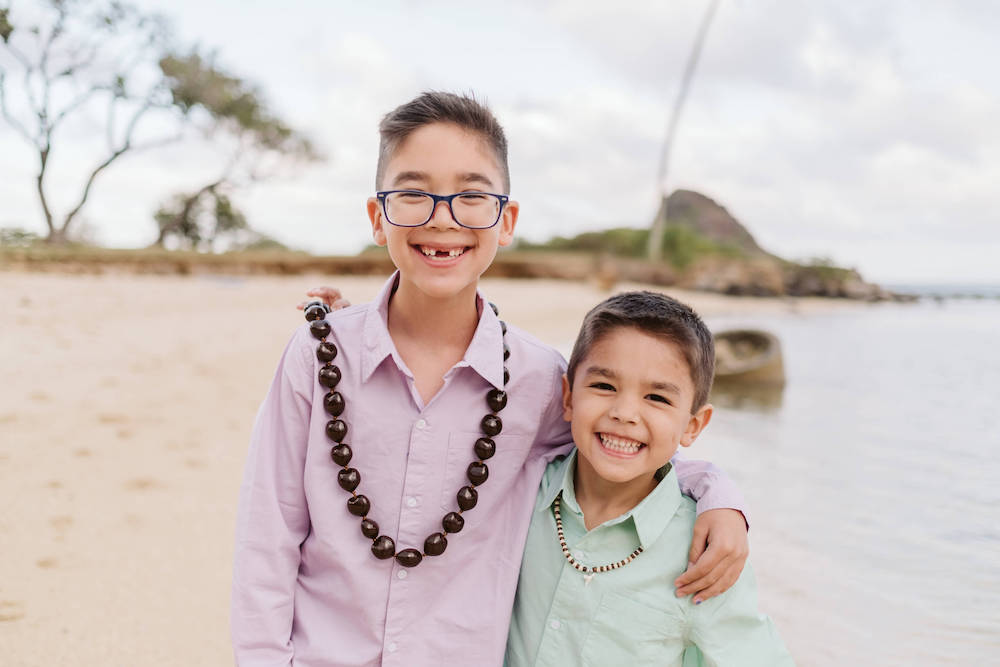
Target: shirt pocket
[
  {"x": 625, "y": 630},
  {"x": 504, "y": 466}
]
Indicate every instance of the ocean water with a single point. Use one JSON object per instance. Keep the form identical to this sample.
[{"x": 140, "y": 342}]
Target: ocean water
[{"x": 874, "y": 482}]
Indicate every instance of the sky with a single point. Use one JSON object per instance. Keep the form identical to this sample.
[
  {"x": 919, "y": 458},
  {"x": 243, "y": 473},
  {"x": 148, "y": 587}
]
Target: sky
[{"x": 865, "y": 133}]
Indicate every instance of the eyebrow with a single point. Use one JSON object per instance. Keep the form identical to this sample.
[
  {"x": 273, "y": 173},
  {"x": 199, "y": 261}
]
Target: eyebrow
[
  {"x": 600, "y": 371},
  {"x": 409, "y": 176},
  {"x": 422, "y": 177}
]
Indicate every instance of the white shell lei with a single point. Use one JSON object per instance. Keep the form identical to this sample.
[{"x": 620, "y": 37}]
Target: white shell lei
[{"x": 588, "y": 572}]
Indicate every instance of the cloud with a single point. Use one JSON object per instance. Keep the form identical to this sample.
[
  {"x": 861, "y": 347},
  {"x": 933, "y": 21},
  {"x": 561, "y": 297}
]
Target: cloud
[{"x": 862, "y": 131}]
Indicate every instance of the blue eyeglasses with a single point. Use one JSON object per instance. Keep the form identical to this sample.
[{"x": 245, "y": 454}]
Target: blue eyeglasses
[{"x": 413, "y": 208}]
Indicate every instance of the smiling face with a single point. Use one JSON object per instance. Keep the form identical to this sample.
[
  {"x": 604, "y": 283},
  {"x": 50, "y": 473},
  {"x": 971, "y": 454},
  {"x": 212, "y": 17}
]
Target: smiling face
[
  {"x": 630, "y": 408},
  {"x": 442, "y": 260}
]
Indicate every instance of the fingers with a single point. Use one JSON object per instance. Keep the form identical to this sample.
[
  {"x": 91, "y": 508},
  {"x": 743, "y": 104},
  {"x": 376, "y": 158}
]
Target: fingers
[
  {"x": 698, "y": 576},
  {"x": 331, "y": 296},
  {"x": 699, "y": 542},
  {"x": 723, "y": 584},
  {"x": 704, "y": 578},
  {"x": 328, "y": 294},
  {"x": 714, "y": 573}
]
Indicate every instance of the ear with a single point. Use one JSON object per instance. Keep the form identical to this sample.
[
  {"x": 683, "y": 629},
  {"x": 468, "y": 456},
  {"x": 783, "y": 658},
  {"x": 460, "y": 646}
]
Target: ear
[
  {"x": 696, "y": 424},
  {"x": 508, "y": 220},
  {"x": 567, "y": 399},
  {"x": 378, "y": 221}
]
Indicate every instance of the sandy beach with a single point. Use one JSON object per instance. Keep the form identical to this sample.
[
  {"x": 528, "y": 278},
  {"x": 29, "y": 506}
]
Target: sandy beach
[{"x": 125, "y": 410}]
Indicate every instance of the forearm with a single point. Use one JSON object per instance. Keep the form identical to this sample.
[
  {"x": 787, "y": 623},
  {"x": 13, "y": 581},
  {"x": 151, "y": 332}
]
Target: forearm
[
  {"x": 272, "y": 519},
  {"x": 709, "y": 486}
]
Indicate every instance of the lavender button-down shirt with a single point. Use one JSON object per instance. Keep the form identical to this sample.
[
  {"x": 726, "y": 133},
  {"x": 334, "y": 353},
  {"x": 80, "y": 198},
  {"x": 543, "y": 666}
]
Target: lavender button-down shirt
[{"x": 307, "y": 590}]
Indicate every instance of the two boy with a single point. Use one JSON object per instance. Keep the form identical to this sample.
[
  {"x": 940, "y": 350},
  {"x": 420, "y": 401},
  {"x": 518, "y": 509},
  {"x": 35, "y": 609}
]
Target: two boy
[{"x": 392, "y": 466}]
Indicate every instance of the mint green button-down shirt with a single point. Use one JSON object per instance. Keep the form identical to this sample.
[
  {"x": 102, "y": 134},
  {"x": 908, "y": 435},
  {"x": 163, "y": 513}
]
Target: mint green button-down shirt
[{"x": 628, "y": 616}]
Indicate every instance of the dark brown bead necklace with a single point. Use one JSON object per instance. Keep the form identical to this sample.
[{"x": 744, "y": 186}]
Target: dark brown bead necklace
[{"x": 383, "y": 546}]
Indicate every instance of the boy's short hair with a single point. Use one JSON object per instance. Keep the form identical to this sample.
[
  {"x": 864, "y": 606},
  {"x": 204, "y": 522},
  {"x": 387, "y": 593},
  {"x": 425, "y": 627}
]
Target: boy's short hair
[
  {"x": 657, "y": 315},
  {"x": 438, "y": 107}
]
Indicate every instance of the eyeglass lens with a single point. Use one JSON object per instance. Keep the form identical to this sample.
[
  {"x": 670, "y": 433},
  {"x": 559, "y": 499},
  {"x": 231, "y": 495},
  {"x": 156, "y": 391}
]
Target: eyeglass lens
[{"x": 471, "y": 210}]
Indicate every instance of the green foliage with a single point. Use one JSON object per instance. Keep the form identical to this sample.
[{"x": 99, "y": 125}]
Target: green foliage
[
  {"x": 5, "y": 27},
  {"x": 823, "y": 268},
  {"x": 264, "y": 243},
  {"x": 195, "y": 82},
  {"x": 681, "y": 244},
  {"x": 16, "y": 237},
  {"x": 623, "y": 241},
  {"x": 201, "y": 221}
]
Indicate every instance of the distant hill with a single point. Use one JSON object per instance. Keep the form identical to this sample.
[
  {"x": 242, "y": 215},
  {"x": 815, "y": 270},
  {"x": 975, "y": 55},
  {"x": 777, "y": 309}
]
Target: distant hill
[
  {"x": 687, "y": 208},
  {"x": 705, "y": 247}
]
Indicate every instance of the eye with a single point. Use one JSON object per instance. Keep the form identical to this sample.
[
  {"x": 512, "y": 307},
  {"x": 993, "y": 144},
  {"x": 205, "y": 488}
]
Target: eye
[
  {"x": 601, "y": 386},
  {"x": 656, "y": 398}
]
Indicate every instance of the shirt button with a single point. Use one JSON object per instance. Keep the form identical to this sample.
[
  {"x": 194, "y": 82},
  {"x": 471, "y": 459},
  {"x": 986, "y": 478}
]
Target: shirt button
[
  {"x": 401, "y": 574},
  {"x": 421, "y": 423},
  {"x": 411, "y": 502},
  {"x": 392, "y": 647},
  {"x": 578, "y": 555},
  {"x": 555, "y": 624}
]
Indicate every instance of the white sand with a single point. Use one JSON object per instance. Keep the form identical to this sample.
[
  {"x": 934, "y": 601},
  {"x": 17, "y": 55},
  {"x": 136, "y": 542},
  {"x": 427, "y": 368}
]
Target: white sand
[{"x": 126, "y": 403}]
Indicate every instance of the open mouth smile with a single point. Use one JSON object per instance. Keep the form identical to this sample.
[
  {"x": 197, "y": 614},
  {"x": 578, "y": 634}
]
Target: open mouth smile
[
  {"x": 441, "y": 254},
  {"x": 616, "y": 445}
]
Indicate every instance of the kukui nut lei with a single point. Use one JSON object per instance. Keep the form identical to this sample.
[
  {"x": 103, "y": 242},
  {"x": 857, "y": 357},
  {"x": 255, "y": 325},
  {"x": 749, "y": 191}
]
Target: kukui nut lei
[{"x": 383, "y": 546}]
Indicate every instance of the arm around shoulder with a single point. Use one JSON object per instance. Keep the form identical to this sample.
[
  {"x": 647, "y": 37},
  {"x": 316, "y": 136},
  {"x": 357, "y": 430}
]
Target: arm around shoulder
[
  {"x": 272, "y": 519},
  {"x": 709, "y": 486}
]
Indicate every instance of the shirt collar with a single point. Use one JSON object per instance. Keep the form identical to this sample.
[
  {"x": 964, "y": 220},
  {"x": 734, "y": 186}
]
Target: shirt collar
[
  {"x": 483, "y": 354},
  {"x": 650, "y": 517}
]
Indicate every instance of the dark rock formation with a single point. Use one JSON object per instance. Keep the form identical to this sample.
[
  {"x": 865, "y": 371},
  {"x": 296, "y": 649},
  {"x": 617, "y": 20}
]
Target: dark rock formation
[{"x": 708, "y": 219}]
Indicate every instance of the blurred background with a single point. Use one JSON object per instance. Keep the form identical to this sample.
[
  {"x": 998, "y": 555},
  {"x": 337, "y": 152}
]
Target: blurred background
[{"x": 174, "y": 175}]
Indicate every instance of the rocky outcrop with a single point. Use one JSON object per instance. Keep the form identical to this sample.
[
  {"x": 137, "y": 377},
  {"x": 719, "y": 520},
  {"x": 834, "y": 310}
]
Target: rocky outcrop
[
  {"x": 751, "y": 270},
  {"x": 709, "y": 219}
]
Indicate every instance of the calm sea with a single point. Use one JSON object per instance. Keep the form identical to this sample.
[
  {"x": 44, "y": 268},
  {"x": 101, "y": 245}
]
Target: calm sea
[{"x": 874, "y": 481}]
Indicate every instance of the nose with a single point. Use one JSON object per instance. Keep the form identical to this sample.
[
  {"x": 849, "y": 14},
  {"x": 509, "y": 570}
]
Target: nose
[
  {"x": 624, "y": 410},
  {"x": 442, "y": 218}
]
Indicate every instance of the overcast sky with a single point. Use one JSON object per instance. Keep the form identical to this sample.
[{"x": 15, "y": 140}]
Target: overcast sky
[{"x": 866, "y": 132}]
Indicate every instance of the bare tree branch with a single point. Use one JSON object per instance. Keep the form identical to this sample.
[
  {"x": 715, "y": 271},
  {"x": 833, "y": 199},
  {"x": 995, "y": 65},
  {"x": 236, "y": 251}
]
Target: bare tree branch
[
  {"x": 14, "y": 122},
  {"x": 78, "y": 102},
  {"x": 121, "y": 150}
]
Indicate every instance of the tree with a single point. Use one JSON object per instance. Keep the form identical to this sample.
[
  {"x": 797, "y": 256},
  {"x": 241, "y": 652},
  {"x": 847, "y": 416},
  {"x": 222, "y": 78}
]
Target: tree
[
  {"x": 77, "y": 58},
  {"x": 654, "y": 250},
  {"x": 201, "y": 220},
  {"x": 259, "y": 141}
]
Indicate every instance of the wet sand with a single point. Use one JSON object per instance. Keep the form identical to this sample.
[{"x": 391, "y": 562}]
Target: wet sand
[{"x": 126, "y": 405}]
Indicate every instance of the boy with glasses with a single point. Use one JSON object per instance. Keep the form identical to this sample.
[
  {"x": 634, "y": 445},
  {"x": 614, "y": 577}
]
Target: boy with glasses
[{"x": 393, "y": 463}]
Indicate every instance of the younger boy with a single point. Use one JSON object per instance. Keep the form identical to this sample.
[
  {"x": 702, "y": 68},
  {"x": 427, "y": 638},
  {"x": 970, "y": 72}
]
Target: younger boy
[
  {"x": 392, "y": 467},
  {"x": 610, "y": 528}
]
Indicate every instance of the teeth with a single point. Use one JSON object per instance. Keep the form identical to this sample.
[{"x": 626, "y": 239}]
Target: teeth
[
  {"x": 432, "y": 252},
  {"x": 620, "y": 444}
]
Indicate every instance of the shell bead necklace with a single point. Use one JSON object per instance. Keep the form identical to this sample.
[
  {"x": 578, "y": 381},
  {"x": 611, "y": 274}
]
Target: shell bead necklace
[
  {"x": 588, "y": 572},
  {"x": 383, "y": 546}
]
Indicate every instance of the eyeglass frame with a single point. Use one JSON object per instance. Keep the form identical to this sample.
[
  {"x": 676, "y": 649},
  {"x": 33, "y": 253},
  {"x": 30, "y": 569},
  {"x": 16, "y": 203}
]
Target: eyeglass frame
[{"x": 382, "y": 195}]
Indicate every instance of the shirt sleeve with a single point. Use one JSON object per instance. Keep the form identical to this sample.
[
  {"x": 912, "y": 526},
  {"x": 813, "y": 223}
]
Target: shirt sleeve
[
  {"x": 709, "y": 486},
  {"x": 272, "y": 518},
  {"x": 730, "y": 630},
  {"x": 554, "y": 437}
]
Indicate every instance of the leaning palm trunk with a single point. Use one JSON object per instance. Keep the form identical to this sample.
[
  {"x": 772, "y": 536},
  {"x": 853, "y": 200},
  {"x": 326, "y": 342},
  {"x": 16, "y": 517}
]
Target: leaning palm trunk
[{"x": 655, "y": 248}]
